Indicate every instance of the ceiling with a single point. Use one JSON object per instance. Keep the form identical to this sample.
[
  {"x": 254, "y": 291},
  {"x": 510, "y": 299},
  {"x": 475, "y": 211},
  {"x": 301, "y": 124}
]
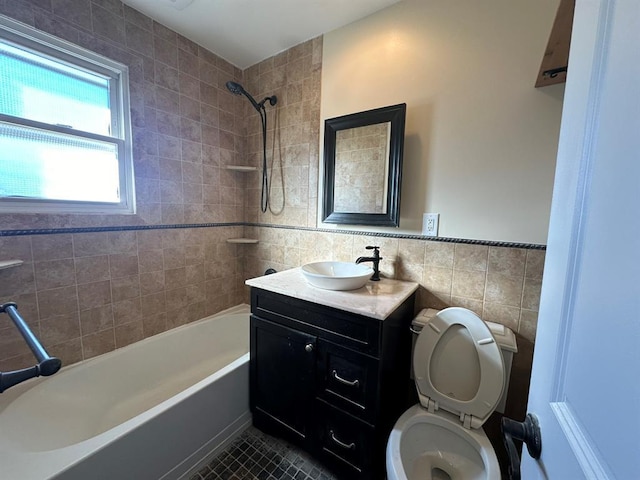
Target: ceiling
[{"x": 244, "y": 32}]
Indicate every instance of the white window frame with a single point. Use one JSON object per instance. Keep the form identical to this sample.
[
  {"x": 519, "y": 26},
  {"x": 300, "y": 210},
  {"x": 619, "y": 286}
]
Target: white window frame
[{"x": 118, "y": 76}]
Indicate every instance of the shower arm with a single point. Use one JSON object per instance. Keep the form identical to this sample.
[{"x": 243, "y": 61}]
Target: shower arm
[{"x": 46, "y": 366}]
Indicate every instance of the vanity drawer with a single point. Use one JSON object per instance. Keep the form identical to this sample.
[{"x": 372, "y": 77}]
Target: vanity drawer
[
  {"x": 350, "y": 330},
  {"x": 347, "y": 379},
  {"x": 344, "y": 442}
]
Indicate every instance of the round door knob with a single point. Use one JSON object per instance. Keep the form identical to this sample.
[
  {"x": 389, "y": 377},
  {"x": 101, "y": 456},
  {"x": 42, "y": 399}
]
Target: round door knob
[{"x": 308, "y": 347}]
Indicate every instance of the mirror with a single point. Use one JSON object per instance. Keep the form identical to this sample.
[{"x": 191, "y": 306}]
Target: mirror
[{"x": 363, "y": 167}]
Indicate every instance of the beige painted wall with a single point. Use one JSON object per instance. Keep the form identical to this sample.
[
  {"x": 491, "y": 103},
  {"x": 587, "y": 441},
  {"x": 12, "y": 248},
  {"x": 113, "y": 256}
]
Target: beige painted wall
[{"x": 480, "y": 141}]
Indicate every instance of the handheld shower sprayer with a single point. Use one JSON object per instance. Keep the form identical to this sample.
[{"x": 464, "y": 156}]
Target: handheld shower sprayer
[
  {"x": 238, "y": 89},
  {"x": 235, "y": 87}
]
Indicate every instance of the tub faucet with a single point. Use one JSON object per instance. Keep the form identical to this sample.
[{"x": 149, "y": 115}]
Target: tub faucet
[{"x": 375, "y": 260}]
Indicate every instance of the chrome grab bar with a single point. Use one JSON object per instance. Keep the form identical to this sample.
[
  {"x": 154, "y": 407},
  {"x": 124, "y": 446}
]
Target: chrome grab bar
[
  {"x": 46, "y": 366},
  {"x": 351, "y": 383}
]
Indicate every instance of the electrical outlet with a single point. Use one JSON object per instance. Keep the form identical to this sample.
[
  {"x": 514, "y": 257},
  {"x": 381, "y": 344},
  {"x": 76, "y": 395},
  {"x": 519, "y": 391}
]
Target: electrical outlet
[{"x": 430, "y": 224}]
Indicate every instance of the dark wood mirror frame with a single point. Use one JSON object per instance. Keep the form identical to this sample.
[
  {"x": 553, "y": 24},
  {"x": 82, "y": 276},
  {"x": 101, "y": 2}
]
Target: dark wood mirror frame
[{"x": 396, "y": 115}]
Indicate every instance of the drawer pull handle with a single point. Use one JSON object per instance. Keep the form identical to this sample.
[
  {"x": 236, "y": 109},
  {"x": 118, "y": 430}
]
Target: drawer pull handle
[
  {"x": 308, "y": 347},
  {"x": 351, "y": 383},
  {"x": 346, "y": 446}
]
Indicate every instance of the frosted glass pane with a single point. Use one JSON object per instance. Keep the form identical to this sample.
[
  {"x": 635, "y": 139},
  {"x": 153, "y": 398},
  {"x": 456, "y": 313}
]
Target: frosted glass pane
[
  {"x": 38, "y": 164},
  {"x": 39, "y": 88}
]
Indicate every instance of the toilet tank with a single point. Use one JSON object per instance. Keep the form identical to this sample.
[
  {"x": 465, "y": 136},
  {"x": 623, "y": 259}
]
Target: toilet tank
[{"x": 504, "y": 336}]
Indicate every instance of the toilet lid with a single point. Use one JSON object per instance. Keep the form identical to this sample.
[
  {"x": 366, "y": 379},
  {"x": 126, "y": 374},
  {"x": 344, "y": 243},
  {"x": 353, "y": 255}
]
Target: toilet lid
[{"x": 458, "y": 366}]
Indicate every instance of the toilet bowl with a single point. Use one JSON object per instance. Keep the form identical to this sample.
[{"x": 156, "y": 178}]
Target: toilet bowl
[
  {"x": 460, "y": 376},
  {"x": 425, "y": 446}
]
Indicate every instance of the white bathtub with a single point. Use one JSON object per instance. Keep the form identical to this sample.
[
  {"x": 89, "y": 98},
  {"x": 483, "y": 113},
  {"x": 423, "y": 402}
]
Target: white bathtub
[{"x": 151, "y": 410}]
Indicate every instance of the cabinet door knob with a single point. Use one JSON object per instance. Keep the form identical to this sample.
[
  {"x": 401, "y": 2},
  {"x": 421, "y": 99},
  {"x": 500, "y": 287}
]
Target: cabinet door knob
[{"x": 308, "y": 347}]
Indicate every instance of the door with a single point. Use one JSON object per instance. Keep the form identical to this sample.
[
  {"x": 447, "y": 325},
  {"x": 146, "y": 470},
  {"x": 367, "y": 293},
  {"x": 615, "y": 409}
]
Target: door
[
  {"x": 584, "y": 387},
  {"x": 282, "y": 376}
]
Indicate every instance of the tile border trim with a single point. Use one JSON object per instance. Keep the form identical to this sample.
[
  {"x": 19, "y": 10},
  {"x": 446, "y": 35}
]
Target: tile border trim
[
  {"x": 123, "y": 228},
  {"x": 406, "y": 236}
]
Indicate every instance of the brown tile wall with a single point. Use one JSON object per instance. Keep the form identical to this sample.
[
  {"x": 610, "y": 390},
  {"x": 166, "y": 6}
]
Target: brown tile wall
[
  {"x": 293, "y": 135},
  {"x": 89, "y": 293},
  {"x": 186, "y": 125}
]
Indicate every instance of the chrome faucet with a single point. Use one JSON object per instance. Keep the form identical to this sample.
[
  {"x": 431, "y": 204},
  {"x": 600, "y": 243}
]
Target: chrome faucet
[{"x": 375, "y": 260}]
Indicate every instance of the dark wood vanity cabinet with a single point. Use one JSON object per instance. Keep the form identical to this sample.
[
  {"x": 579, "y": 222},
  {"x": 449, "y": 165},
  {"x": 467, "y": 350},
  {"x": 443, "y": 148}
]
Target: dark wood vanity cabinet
[{"x": 330, "y": 381}]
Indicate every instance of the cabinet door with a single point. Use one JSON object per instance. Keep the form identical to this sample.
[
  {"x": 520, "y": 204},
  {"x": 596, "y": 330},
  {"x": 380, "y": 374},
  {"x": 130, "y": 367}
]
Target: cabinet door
[{"x": 282, "y": 373}]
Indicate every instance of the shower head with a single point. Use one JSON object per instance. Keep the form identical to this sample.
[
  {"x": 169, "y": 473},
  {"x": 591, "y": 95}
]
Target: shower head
[
  {"x": 238, "y": 89},
  {"x": 235, "y": 88}
]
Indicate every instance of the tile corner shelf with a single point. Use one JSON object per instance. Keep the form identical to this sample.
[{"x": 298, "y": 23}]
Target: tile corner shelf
[
  {"x": 10, "y": 263},
  {"x": 242, "y": 240},
  {"x": 241, "y": 168}
]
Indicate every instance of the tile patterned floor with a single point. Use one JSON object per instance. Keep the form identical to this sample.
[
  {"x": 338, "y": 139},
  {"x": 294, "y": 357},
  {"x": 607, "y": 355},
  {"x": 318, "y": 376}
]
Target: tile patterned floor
[{"x": 257, "y": 456}]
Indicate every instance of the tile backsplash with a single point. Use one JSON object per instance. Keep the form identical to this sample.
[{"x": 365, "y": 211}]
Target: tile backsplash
[{"x": 499, "y": 283}]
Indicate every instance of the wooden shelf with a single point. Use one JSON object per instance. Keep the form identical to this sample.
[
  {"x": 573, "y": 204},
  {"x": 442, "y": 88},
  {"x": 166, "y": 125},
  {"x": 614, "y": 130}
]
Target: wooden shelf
[
  {"x": 10, "y": 263},
  {"x": 556, "y": 57},
  {"x": 241, "y": 168},
  {"x": 242, "y": 240}
]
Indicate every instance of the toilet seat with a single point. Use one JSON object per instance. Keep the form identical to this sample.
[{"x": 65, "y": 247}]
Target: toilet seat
[{"x": 458, "y": 366}]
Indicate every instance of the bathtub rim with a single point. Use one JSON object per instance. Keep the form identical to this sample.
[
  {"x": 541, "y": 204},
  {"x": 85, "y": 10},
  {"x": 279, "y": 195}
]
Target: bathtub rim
[
  {"x": 50, "y": 463},
  {"x": 7, "y": 397}
]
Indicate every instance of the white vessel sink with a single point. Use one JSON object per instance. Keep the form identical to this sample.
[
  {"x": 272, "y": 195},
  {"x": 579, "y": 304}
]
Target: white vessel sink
[{"x": 337, "y": 275}]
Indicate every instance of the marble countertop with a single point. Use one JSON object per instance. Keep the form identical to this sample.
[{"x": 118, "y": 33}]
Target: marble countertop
[{"x": 376, "y": 299}]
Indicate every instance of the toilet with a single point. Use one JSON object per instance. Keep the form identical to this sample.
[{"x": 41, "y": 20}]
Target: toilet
[{"x": 461, "y": 367}]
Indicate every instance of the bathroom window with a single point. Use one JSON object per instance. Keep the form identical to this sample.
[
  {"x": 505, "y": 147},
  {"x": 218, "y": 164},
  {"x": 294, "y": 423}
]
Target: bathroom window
[{"x": 65, "y": 136}]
